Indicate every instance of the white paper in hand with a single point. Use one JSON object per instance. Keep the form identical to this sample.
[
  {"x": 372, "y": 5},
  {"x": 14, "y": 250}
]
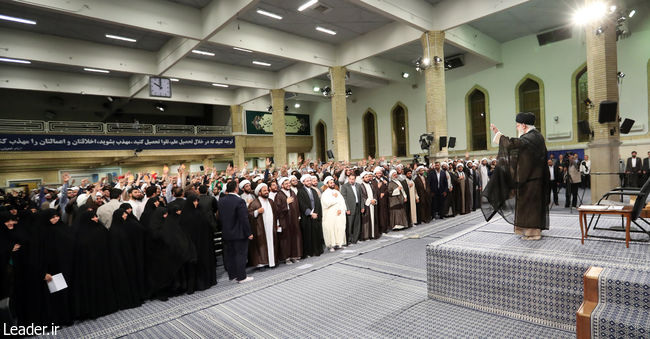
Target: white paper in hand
[{"x": 57, "y": 283}]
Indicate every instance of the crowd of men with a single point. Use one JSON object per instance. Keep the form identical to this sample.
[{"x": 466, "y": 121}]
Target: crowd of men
[{"x": 142, "y": 236}]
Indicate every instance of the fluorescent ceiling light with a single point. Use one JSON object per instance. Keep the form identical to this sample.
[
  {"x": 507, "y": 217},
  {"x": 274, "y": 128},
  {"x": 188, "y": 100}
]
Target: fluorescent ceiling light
[
  {"x": 17, "y": 61},
  {"x": 316, "y": 89},
  {"x": 117, "y": 37},
  {"x": 325, "y": 30},
  {"x": 174, "y": 79},
  {"x": 269, "y": 14},
  {"x": 307, "y": 5},
  {"x": 220, "y": 85},
  {"x": 196, "y": 51},
  {"x": 632, "y": 13},
  {"x": 96, "y": 70},
  {"x": 243, "y": 49},
  {"x": 14, "y": 19},
  {"x": 297, "y": 105},
  {"x": 261, "y": 63}
]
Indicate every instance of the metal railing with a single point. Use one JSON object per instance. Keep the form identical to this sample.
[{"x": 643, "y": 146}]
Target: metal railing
[{"x": 90, "y": 127}]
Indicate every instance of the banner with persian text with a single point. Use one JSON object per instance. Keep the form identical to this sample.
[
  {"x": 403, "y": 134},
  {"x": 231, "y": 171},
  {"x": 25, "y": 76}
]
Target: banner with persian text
[
  {"x": 258, "y": 122},
  {"x": 62, "y": 142}
]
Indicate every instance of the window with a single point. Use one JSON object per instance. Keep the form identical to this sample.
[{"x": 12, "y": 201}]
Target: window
[
  {"x": 581, "y": 93},
  {"x": 529, "y": 100},
  {"x": 400, "y": 130},
  {"x": 477, "y": 116},
  {"x": 321, "y": 141},
  {"x": 370, "y": 134}
]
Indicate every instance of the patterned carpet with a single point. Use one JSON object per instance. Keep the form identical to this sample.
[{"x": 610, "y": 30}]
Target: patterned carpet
[{"x": 489, "y": 268}]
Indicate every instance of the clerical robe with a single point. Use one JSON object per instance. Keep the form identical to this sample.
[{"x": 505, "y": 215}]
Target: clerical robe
[
  {"x": 290, "y": 246},
  {"x": 369, "y": 218},
  {"x": 424, "y": 193},
  {"x": 462, "y": 193},
  {"x": 262, "y": 250},
  {"x": 396, "y": 198},
  {"x": 333, "y": 218},
  {"x": 518, "y": 188},
  {"x": 412, "y": 202},
  {"x": 311, "y": 228},
  {"x": 383, "y": 208}
]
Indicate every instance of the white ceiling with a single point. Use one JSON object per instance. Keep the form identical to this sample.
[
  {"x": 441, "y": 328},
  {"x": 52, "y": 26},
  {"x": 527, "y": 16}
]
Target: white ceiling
[{"x": 369, "y": 33}]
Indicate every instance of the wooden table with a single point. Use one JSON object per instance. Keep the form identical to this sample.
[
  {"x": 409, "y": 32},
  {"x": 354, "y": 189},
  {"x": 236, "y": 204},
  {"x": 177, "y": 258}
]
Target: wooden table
[{"x": 625, "y": 212}]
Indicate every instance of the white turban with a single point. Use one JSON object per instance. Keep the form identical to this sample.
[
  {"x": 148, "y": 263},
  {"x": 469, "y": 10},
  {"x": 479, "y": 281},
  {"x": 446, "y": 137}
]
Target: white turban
[
  {"x": 364, "y": 173},
  {"x": 328, "y": 179},
  {"x": 443, "y": 164},
  {"x": 243, "y": 183},
  {"x": 304, "y": 178},
  {"x": 419, "y": 168},
  {"x": 291, "y": 177},
  {"x": 483, "y": 159},
  {"x": 259, "y": 188},
  {"x": 282, "y": 180},
  {"x": 378, "y": 169},
  {"x": 390, "y": 174},
  {"x": 258, "y": 178},
  {"x": 460, "y": 164}
]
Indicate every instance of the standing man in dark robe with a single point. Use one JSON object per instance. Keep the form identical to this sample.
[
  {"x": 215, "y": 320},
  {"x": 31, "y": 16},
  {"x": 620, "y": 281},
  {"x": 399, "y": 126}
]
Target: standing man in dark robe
[
  {"x": 264, "y": 225},
  {"x": 437, "y": 182},
  {"x": 236, "y": 233},
  {"x": 290, "y": 237},
  {"x": 462, "y": 188},
  {"x": 351, "y": 192},
  {"x": 475, "y": 177},
  {"x": 369, "y": 218},
  {"x": 634, "y": 170},
  {"x": 208, "y": 206},
  {"x": 518, "y": 189},
  {"x": 311, "y": 218},
  {"x": 397, "y": 198},
  {"x": 383, "y": 209},
  {"x": 423, "y": 191}
]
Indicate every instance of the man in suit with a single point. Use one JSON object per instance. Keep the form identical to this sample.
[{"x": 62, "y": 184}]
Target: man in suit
[
  {"x": 633, "y": 170},
  {"x": 646, "y": 168},
  {"x": 556, "y": 177},
  {"x": 351, "y": 192},
  {"x": 236, "y": 233},
  {"x": 439, "y": 188}
]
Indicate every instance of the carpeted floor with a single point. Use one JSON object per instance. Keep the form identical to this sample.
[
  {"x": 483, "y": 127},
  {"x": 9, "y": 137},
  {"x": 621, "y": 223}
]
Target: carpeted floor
[{"x": 375, "y": 289}]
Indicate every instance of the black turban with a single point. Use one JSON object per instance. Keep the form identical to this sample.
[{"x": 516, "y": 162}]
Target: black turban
[{"x": 526, "y": 118}]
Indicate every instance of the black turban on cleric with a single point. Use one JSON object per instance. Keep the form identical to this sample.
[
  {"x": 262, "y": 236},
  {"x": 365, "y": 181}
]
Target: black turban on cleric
[{"x": 526, "y": 118}]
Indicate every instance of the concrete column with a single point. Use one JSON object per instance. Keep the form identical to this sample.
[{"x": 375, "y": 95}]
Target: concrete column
[
  {"x": 602, "y": 84},
  {"x": 434, "y": 78},
  {"x": 279, "y": 127},
  {"x": 339, "y": 114},
  {"x": 236, "y": 112}
]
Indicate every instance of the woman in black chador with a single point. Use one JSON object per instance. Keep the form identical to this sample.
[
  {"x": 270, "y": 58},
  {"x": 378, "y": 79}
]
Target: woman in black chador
[
  {"x": 124, "y": 267},
  {"x": 194, "y": 223}
]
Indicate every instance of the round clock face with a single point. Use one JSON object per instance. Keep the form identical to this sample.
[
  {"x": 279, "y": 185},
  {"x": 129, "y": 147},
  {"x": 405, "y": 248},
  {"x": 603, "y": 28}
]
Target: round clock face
[{"x": 160, "y": 87}]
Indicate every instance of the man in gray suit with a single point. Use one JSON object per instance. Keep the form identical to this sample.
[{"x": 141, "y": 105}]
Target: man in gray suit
[{"x": 351, "y": 192}]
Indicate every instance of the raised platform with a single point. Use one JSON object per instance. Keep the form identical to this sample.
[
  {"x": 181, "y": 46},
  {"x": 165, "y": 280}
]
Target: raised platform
[{"x": 489, "y": 268}]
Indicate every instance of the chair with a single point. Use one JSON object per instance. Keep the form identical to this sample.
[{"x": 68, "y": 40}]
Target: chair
[{"x": 641, "y": 197}]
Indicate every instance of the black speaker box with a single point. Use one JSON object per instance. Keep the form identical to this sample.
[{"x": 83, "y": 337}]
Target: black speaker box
[
  {"x": 452, "y": 142},
  {"x": 443, "y": 142},
  {"x": 330, "y": 154},
  {"x": 607, "y": 111},
  {"x": 626, "y": 126},
  {"x": 583, "y": 127}
]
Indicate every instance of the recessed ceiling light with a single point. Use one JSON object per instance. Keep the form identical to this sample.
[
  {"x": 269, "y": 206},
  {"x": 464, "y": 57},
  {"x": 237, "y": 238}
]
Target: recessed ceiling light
[
  {"x": 261, "y": 63},
  {"x": 325, "y": 30},
  {"x": 243, "y": 49},
  {"x": 316, "y": 89},
  {"x": 196, "y": 51},
  {"x": 269, "y": 14},
  {"x": 14, "y": 19},
  {"x": 220, "y": 85},
  {"x": 96, "y": 70},
  {"x": 117, "y": 37},
  {"x": 174, "y": 79},
  {"x": 405, "y": 75},
  {"x": 297, "y": 105},
  {"x": 17, "y": 61},
  {"x": 307, "y": 5}
]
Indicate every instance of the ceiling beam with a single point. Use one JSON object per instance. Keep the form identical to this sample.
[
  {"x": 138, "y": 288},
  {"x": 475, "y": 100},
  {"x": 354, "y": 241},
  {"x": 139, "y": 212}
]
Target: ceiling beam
[
  {"x": 244, "y": 94},
  {"x": 275, "y": 42},
  {"x": 298, "y": 73},
  {"x": 474, "y": 41},
  {"x": 451, "y": 13},
  {"x": 152, "y": 15},
  {"x": 416, "y": 13},
  {"x": 372, "y": 43},
  {"x": 380, "y": 68},
  {"x": 206, "y": 71}
]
